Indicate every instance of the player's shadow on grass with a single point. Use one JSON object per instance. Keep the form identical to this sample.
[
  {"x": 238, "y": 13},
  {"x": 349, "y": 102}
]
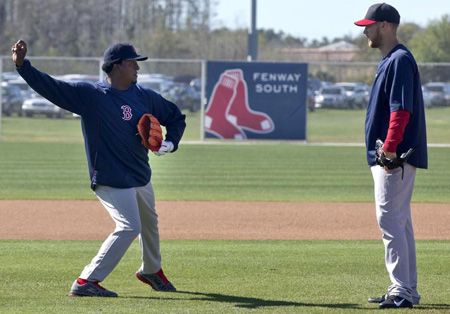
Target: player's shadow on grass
[
  {"x": 432, "y": 306},
  {"x": 255, "y": 303}
]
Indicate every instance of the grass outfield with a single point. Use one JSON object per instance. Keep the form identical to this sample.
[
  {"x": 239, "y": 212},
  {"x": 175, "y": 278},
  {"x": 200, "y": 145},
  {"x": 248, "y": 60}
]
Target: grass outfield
[
  {"x": 44, "y": 159},
  {"x": 220, "y": 277},
  {"x": 282, "y": 172},
  {"x": 341, "y": 126},
  {"x": 347, "y": 126}
]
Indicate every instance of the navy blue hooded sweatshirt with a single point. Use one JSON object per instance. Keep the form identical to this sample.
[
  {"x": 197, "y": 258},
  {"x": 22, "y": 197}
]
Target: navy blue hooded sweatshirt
[{"x": 109, "y": 117}]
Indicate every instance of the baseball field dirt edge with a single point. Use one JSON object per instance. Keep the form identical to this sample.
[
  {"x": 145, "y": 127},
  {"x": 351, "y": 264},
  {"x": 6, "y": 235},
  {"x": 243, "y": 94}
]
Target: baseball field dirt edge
[{"x": 202, "y": 220}]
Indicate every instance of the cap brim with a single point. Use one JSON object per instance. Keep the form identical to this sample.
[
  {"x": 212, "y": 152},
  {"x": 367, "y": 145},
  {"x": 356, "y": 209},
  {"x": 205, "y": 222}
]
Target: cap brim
[
  {"x": 138, "y": 58},
  {"x": 365, "y": 22}
]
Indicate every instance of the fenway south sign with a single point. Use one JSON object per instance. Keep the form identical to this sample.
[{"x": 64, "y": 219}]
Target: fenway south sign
[{"x": 256, "y": 100}]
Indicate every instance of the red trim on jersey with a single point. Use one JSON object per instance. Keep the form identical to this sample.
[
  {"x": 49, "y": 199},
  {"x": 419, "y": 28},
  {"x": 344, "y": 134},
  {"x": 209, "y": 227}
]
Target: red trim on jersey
[{"x": 397, "y": 124}]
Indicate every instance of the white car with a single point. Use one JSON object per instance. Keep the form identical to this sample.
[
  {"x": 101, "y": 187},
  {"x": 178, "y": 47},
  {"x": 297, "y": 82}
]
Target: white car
[
  {"x": 357, "y": 92},
  {"x": 39, "y": 105},
  {"x": 440, "y": 91},
  {"x": 332, "y": 97}
]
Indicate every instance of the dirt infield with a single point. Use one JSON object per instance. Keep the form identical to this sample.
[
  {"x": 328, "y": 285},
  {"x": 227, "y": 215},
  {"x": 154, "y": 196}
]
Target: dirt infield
[{"x": 86, "y": 220}]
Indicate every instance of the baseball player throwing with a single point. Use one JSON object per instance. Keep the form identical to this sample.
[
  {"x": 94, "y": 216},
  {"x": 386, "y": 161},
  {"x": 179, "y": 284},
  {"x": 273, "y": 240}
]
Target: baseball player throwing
[
  {"x": 117, "y": 159},
  {"x": 395, "y": 115}
]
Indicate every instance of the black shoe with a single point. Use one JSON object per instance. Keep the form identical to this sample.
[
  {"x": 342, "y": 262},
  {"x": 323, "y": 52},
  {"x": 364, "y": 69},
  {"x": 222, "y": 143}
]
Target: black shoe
[
  {"x": 376, "y": 299},
  {"x": 395, "y": 302}
]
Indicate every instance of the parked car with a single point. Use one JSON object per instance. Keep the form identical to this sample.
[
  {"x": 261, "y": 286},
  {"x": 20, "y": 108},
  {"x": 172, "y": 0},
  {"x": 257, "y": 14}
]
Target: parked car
[
  {"x": 314, "y": 84},
  {"x": 11, "y": 99},
  {"x": 332, "y": 97},
  {"x": 155, "y": 82},
  {"x": 38, "y": 105},
  {"x": 431, "y": 99},
  {"x": 357, "y": 92},
  {"x": 310, "y": 100},
  {"x": 8, "y": 76},
  {"x": 441, "y": 91},
  {"x": 184, "y": 96},
  {"x": 22, "y": 85},
  {"x": 196, "y": 84}
]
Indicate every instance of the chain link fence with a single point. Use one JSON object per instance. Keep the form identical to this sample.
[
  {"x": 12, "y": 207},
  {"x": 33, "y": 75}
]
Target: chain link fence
[
  {"x": 365, "y": 71},
  {"x": 183, "y": 82}
]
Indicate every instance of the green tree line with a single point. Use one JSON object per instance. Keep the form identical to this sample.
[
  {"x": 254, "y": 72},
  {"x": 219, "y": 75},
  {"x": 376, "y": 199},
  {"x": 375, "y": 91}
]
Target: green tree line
[{"x": 174, "y": 29}]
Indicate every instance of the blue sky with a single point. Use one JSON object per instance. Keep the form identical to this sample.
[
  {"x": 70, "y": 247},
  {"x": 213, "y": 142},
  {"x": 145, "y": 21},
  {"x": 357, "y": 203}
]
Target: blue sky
[{"x": 314, "y": 19}]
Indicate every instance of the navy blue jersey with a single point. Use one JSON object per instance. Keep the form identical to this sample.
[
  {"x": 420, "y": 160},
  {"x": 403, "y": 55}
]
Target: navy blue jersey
[
  {"x": 109, "y": 119},
  {"x": 397, "y": 86}
]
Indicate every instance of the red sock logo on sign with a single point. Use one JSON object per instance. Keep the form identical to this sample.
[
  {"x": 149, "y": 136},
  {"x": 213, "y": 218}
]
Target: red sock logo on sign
[
  {"x": 240, "y": 112},
  {"x": 216, "y": 121},
  {"x": 229, "y": 112}
]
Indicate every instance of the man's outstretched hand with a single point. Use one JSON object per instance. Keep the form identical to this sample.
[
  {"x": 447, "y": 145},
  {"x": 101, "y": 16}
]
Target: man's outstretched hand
[{"x": 19, "y": 51}]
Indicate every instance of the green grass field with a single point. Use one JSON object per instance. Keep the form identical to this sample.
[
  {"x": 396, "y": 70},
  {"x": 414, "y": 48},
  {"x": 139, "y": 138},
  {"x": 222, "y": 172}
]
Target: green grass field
[
  {"x": 282, "y": 172},
  {"x": 44, "y": 159},
  {"x": 339, "y": 126},
  {"x": 345, "y": 126},
  {"x": 220, "y": 277}
]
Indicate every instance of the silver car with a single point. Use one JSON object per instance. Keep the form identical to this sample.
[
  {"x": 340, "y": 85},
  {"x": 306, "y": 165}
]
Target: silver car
[
  {"x": 440, "y": 91},
  {"x": 332, "y": 97},
  {"x": 357, "y": 92},
  {"x": 40, "y": 106}
]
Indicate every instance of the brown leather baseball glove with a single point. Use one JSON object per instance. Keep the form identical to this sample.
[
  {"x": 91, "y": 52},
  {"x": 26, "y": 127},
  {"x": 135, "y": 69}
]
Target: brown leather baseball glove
[{"x": 150, "y": 131}]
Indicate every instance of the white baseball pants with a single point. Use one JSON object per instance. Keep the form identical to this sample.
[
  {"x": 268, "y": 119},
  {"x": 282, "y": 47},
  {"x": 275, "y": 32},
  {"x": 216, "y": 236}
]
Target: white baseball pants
[
  {"x": 392, "y": 200},
  {"x": 133, "y": 212}
]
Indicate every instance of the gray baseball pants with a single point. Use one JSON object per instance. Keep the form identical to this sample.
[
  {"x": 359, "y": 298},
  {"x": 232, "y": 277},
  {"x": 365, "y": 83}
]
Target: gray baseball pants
[
  {"x": 133, "y": 212},
  {"x": 392, "y": 200}
]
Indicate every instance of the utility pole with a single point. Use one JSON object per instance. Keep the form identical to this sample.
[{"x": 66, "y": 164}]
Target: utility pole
[{"x": 252, "y": 54}]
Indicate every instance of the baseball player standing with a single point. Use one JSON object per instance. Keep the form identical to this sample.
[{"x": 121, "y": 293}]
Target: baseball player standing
[
  {"x": 395, "y": 115},
  {"x": 117, "y": 159}
]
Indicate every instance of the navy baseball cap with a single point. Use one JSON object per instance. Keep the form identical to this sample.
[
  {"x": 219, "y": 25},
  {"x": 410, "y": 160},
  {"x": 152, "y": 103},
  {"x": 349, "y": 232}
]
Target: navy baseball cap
[
  {"x": 380, "y": 12},
  {"x": 118, "y": 52}
]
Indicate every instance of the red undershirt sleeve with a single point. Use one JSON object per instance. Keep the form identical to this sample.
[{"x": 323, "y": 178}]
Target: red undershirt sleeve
[{"x": 397, "y": 124}]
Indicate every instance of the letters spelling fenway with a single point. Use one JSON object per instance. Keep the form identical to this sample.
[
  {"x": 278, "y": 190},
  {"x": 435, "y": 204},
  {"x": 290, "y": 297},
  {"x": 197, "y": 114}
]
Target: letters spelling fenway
[{"x": 276, "y": 83}]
